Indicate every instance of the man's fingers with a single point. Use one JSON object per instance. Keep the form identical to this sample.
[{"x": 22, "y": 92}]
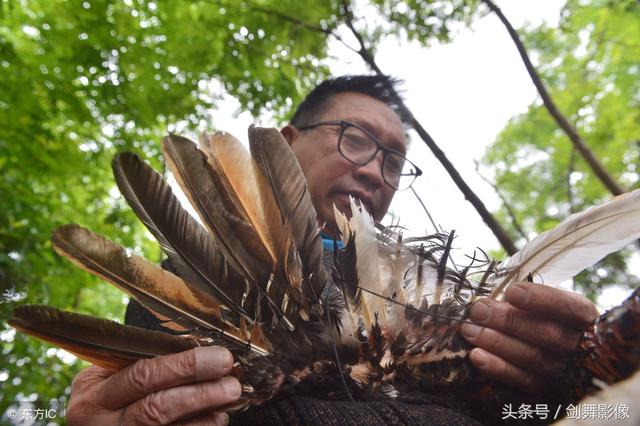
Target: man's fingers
[
  {"x": 183, "y": 402},
  {"x": 158, "y": 391},
  {"x": 498, "y": 369},
  {"x": 83, "y": 408},
  {"x": 514, "y": 351},
  {"x": 151, "y": 375},
  {"x": 522, "y": 325},
  {"x": 88, "y": 378},
  {"x": 571, "y": 309},
  {"x": 522, "y": 337}
]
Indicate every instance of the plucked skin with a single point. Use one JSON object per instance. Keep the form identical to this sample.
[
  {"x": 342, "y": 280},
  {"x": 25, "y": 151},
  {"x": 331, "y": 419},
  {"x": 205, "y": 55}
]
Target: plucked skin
[{"x": 381, "y": 321}]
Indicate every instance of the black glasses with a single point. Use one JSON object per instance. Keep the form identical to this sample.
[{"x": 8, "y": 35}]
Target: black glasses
[{"x": 359, "y": 147}]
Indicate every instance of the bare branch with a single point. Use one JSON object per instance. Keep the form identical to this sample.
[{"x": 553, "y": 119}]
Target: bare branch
[
  {"x": 594, "y": 163},
  {"x": 364, "y": 51},
  {"x": 505, "y": 203},
  {"x": 571, "y": 169}
]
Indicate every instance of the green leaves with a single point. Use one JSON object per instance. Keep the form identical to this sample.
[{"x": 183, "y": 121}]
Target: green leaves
[
  {"x": 84, "y": 79},
  {"x": 426, "y": 20}
]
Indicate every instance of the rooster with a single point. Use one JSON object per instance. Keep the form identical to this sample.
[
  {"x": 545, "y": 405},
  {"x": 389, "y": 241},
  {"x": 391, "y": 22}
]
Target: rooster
[{"x": 381, "y": 318}]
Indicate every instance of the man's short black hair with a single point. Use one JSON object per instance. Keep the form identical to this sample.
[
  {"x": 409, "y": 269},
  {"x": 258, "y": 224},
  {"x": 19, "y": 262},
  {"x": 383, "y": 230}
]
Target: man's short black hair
[{"x": 379, "y": 87}]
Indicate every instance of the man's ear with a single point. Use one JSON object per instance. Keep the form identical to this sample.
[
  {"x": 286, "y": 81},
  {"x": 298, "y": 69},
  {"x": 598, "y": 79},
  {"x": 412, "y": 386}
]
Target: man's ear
[{"x": 290, "y": 133}]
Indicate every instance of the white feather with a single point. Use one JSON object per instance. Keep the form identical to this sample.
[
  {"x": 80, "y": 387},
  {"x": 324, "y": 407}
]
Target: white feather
[
  {"x": 362, "y": 226},
  {"x": 576, "y": 243},
  {"x": 395, "y": 261}
]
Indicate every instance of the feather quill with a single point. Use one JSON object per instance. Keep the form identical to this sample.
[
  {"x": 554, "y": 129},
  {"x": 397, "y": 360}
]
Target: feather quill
[
  {"x": 442, "y": 269},
  {"x": 575, "y": 244}
]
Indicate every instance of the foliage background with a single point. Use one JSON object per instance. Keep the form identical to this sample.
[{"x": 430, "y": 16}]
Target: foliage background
[{"x": 82, "y": 80}]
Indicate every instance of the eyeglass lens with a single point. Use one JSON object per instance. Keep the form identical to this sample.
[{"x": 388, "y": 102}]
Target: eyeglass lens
[{"x": 359, "y": 148}]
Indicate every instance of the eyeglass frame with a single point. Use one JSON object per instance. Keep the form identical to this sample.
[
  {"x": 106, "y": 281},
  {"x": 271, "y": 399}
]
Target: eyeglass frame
[{"x": 379, "y": 147}]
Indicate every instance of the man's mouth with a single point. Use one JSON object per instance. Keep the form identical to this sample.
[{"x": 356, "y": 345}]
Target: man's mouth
[{"x": 364, "y": 199}]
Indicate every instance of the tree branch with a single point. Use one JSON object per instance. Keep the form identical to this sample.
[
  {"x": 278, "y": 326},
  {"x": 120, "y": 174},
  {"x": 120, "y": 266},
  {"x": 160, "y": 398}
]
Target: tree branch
[
  {"x": 271, "y": 12},
  {"x": 291, "y": 19},
  {"x": 571, "y": 169},
  {"x": 510, "y": 212},
  {"x": 607, "y": 180},
  {"x": 363, "y": 51}
]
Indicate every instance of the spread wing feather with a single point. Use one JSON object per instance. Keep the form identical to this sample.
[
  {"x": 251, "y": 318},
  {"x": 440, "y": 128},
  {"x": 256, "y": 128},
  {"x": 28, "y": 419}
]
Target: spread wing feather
[{"x": 263, "y": 225}]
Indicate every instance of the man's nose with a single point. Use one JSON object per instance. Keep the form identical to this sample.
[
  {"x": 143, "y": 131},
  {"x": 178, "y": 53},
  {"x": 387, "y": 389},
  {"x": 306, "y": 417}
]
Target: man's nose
[{"x": 371, "y": 173}]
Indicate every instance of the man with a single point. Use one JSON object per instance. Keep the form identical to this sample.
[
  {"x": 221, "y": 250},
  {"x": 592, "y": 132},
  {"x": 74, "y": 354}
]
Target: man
[{"x": 520, "y": 342}]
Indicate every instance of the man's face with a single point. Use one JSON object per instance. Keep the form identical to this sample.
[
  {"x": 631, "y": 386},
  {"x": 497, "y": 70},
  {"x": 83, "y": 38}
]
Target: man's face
[{"x": 331, "y": 178}]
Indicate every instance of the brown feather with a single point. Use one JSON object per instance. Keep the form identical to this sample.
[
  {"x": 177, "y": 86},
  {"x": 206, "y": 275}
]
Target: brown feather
[
  {"x": 159, "y": 290},
  {"x": 233, "y": 216},
  {"x": 233, "y": 167},
  {"x": 253, "y": 200},
  {"x": 192, "y": 250},
  {"x": 288, "y": 184},
  {"x": 101, "y": 342},
  {"x": 191, "y": 171}
]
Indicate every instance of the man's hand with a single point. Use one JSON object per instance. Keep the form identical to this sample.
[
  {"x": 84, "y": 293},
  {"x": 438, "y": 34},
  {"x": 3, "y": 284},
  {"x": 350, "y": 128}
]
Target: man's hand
[
  {"x": 189, "y": 386},
  {"x": 523, "y": 342}
]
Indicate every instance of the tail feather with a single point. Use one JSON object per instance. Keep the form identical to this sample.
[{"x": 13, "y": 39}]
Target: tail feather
[
  {"x": 252, "y": 197},
  {"x": 230, "y": 203},
  {"x": 191, "y": 249},
  {"x": 234, "y": 172},
  {"x": 165, "y": 294},
  {"x": 101, "y": 342},
  {"x": 276, "y": 161},
  {"x": 193, "y": 173}
]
